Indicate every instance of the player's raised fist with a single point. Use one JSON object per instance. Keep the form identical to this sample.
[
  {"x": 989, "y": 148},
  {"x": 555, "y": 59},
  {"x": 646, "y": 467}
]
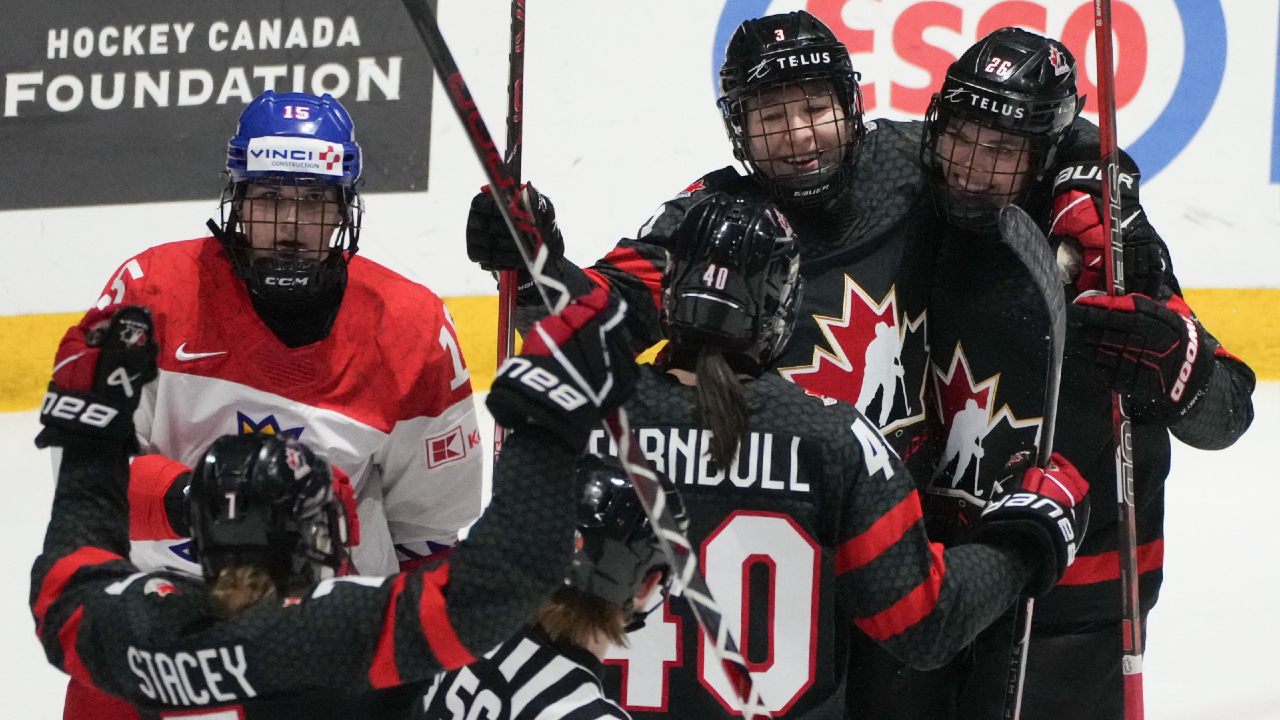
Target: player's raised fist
[
  {"x": 1041, "y": 512},
  {"x": 1077, "y": 230},
  {"x": 98, "y": 375},
  {"x": 489, "y": 242},
  {"x": 574, "y": 369},
  {"x": 1156, "y": 354}
]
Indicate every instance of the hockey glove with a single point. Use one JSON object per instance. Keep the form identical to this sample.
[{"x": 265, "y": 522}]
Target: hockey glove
[
  {"x": 1153, "y": 353},
  {"x": 1041, "y": 513},
  {"x": 97, "y": 382},
  {"x": 575, "y": 368},
  {"x": 489, "y": 242},
  {"x": 1076, "y": 230}
]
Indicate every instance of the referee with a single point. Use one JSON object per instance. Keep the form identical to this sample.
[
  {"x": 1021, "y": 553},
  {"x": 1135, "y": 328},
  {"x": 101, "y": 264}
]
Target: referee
[{"x": 553, "y": 668}]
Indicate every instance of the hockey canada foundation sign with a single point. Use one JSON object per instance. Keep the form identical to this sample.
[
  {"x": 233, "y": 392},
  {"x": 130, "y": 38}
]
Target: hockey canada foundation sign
[
  {"x": 1171, "y": 56},
  {"x": 134, "y": 100}
]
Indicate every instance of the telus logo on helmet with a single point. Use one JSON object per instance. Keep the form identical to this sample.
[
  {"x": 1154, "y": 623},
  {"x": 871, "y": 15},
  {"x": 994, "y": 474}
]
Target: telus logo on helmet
[{"x": 890, "y": 41}]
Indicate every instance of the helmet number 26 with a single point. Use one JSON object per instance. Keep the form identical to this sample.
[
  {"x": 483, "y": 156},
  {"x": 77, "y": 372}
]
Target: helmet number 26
[{"x": 297, "y": 112}]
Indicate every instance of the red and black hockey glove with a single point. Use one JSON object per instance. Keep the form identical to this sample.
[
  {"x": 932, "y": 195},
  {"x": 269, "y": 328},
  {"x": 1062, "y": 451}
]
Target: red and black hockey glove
[
  {"x": 1153, "y": 353},
  {"x": 489, "y": 242},
  {"x": 574, "y": 369},
  {"x": 98, "y": 376},
  {"x": 1041, "y": 513}
]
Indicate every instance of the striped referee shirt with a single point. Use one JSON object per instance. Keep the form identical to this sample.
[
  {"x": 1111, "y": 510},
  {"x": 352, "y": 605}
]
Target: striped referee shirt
[{"x": 525, "y": 678}]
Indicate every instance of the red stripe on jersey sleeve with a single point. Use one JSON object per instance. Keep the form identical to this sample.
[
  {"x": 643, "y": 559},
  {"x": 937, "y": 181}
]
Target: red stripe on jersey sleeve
[
  {"x": 881, "y": 536},
  {"x": 383, "y": 672},
  {"x": 911, "y": 609},
  {"x": 632, "y": 263},
  {"x": 67, "y": 636},
  {"x": 597, "y": 278},
  {"x": 55, "y": 581},
  {"x": 444, "y": 642},
  {"x": 150, "y": 477},
  {"x": 1101, "y": 568}
]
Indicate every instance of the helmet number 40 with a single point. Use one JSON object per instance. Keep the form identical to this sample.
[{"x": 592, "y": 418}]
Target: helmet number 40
[{"x": 714, "y": 277}]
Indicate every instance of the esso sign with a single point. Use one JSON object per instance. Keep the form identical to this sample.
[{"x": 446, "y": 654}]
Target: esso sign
[{"x": 1166, "y": 78}]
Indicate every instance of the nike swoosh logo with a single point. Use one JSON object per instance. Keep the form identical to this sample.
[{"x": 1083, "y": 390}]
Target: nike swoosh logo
[{"x": 184, "y": 356}]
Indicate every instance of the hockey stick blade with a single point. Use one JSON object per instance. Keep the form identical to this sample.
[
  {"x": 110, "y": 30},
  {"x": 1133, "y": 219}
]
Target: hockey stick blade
[
  {"x": 1022, "y": 236},
  {"x": 675, "y": 545}
]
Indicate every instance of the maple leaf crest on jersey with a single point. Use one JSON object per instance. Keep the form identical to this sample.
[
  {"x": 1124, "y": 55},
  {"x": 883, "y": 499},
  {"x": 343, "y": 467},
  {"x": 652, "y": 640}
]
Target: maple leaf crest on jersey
[
  {"x": 979, "y": 437},
  {"x": 864, "y": 365}
]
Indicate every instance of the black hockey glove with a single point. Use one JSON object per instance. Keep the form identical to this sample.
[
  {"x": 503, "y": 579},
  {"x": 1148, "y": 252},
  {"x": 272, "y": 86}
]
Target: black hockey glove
[
  {"x": 489, "y": 242},
  {"x": 1156, "y": 354},
  {"x": 1041, "y": 513},
  {"x": 97, "y": 380},
  {"x": 1076, "y": 228},
  {"x": 574, "y": 369}
]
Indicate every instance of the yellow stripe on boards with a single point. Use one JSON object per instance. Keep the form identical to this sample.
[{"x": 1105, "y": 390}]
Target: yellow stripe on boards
[{"x": 1246, "y": 321}]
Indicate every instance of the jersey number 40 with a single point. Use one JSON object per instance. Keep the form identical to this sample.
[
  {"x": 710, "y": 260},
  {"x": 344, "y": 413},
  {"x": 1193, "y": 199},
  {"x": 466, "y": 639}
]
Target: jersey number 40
[{"x": 743, "y": 541}]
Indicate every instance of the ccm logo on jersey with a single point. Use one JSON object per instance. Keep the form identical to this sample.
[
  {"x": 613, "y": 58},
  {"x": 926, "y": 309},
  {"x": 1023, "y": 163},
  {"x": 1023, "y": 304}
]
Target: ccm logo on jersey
[
  {"x": 1193, "y": 349},
  {"x": 565, "y": 396},
  {"x": 67, "y": 407},
  {"x": 185, "y": 678}
]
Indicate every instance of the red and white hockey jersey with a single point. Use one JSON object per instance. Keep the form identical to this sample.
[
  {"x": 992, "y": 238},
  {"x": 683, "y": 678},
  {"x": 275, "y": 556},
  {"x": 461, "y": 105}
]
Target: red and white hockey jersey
[{"x": 386, "y": 396}]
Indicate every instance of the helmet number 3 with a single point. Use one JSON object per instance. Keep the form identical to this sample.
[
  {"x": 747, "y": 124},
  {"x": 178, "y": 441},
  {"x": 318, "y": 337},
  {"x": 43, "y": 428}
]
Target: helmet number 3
[
  {"x": 715, "y": 277},
  {"x": 297, "y": 112},
  {"x": 750, "y": 554}
]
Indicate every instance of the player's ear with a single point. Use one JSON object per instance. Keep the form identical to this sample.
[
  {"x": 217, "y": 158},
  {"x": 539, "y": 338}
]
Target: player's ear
[{"x": 646, "y": 589}]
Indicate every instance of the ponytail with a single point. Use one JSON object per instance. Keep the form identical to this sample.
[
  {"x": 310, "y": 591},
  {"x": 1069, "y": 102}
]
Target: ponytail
[
  {"x": 238, "y": 588},
  {"x": 720, "y": 405}
]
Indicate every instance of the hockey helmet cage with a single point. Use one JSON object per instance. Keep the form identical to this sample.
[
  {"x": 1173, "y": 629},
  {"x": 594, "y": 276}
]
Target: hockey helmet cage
[
  {"x": 1013, "y": 93},
  {"x": 291, "y": 213},
  {"x": 267, "y": 500},
  {"x": 617, "y": 548},
  {"x": 733, "y": 281},
  {"x": 763, "y": 58}
]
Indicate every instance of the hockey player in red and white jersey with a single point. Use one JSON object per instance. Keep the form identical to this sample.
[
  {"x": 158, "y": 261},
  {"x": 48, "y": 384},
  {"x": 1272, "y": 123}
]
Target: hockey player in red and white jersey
[{"x": 274, "y": 325}]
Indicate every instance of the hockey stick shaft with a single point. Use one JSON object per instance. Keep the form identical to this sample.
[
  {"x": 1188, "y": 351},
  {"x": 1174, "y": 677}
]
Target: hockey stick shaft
[
  {"x": 1021, "y": 235},
  {"x": 508, "y": 280},
  {"x": 674, "y": 543},
  {"x": 1126, "y": 525}
]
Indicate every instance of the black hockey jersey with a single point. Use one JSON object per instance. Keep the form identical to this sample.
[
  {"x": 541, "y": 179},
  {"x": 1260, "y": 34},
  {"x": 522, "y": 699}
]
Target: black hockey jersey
[
  {"x": 816, "y": 528},
  {"x": 149, "y": 637},
  {"x": 1090, "y": 589},
  {"x": 528, "y": 677},
  {"x": 861, "y": 331}
]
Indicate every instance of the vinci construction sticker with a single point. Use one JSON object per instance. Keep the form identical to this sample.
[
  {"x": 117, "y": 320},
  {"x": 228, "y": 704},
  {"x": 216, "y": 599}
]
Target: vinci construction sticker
[{"x": 1171, "y": 55}]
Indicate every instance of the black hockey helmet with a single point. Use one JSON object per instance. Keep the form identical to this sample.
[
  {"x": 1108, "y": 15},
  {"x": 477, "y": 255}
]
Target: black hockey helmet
[
  {"x": 994, "y": 129},
  {"x": 291, "y": 212},
  {"x": 616, "y": 545},
  {"x": 266, "y": 500},
  {"x": 733, "y": 281},
  {"x": 784, "y": 63}
]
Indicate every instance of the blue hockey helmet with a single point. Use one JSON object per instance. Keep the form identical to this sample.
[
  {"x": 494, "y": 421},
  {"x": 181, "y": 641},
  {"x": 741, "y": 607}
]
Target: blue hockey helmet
[
  {"x": 297, "y": 134},
  {"x": 291, "y": 213}
]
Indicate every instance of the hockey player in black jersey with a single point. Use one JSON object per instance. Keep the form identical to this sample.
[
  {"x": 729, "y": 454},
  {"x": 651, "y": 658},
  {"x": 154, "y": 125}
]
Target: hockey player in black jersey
[
  {"x": 806, "y": 522},
  {"x": 792, "y": 108},
  {"x": 553, "y": 668},
  {"x": 1004, "y": 129},
  {"x": 269, "y": 632}
]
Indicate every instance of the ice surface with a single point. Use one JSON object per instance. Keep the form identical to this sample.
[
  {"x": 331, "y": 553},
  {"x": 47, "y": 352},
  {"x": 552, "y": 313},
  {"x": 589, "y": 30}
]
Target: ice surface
[{"x": 1212, "y": 643}]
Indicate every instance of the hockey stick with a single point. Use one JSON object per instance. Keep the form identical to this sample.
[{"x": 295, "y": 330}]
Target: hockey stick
[
  {"x": 1126, "y": 525},
  {"x": 1020, "y": 234},
  {"x": 674, "y": 544},
  {"x": 508, "y": 280}
]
